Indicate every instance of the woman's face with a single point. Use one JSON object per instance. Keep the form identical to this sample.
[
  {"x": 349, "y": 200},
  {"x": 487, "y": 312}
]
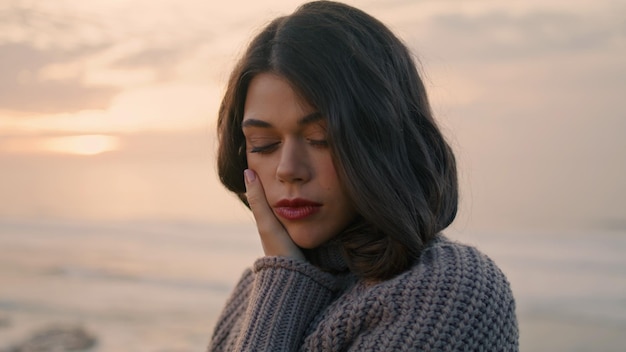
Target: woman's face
[{"x": 286, "y": 145}]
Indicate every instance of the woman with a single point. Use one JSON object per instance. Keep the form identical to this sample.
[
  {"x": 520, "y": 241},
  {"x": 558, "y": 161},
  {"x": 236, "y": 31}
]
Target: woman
[{"x": 327, "y": 135}]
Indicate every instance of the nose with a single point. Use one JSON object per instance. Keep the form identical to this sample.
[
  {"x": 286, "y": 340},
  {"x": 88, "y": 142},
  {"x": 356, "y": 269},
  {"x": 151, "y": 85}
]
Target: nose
[{"x": 294, "y": 164}]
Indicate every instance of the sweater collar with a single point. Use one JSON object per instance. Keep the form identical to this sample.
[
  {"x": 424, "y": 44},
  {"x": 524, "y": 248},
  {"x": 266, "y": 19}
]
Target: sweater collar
[{"x": 328, "y": 257}]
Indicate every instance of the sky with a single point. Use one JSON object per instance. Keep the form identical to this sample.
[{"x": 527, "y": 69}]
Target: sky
[{"x": 108, "y": 107}]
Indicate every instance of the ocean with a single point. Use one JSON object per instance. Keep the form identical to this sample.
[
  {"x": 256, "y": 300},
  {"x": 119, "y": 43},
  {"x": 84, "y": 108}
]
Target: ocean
[{"x": 159, "y": 286}]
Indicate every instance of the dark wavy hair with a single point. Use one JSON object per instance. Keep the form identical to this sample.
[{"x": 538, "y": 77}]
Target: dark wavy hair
[{"x": 388, "y": 151}]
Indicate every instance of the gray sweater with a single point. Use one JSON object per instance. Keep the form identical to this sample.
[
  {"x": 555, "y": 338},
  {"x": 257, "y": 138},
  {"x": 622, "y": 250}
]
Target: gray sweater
[{"x": 453, "y": 298}]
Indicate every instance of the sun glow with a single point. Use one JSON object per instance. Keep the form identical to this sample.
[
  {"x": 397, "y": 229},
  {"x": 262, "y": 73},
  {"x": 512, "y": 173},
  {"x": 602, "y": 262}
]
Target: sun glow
[
  {"x": 89, "y": 144},
  {"x": 81, "y": 145}
]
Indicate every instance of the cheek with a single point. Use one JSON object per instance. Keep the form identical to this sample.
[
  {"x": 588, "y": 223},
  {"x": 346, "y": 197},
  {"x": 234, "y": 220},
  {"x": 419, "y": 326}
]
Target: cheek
[
  {"x": 255, "y": 163},
  {"x": 328, "y": 175},
  {"x": 329, "y": 182},
  {"x": 264, "y": 167}
]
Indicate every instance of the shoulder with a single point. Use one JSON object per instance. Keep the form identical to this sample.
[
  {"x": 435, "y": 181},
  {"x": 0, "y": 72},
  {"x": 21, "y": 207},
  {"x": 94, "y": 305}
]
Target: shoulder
[
  {"x": 460, "y": 294},
  {"x": 465, "y": 289},
  {"x": 455, "y": 260},
  {"x": 448, "y": 273},
  {"x": 453, "y": 298},
  {"x": 448, "y": 268}
]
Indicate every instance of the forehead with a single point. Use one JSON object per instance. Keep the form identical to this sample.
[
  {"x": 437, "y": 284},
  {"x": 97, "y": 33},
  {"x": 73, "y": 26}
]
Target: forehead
[{"x": 272, "y": 98}]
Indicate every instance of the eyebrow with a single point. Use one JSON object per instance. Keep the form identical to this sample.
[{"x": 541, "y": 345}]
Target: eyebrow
[{"x": 306, "y": 120}]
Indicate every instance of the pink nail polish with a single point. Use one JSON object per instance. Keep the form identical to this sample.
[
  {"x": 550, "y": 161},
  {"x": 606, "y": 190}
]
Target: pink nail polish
[{"x": 249, "y": 175}]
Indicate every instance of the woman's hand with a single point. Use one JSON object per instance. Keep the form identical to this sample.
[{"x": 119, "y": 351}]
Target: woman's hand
[{"x": 274, "y": 237}]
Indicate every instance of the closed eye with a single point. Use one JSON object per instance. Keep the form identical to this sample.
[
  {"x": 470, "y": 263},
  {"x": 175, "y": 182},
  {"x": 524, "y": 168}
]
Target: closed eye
[
  {"x": 264, "y": 149},
  {"x": 322, "y": 143}
]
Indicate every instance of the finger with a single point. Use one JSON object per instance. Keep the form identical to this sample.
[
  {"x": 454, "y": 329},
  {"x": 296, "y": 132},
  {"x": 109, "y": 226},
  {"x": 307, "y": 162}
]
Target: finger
[
  {"x": 274, "y": 237},
  {"x": 263, "y": 215}
]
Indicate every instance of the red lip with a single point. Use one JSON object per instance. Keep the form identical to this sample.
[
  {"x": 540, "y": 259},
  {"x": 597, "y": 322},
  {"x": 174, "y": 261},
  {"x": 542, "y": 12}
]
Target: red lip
[
  {"x": 296, "y": 202},
  {"x": 296, "y": 209}
]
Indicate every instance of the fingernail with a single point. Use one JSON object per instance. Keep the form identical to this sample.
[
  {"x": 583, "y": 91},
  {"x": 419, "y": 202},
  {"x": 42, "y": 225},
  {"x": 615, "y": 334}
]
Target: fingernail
[{"x": 249, "y": 175}]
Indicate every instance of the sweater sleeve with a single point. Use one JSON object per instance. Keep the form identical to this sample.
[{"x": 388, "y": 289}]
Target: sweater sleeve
[{"x": 272, "y": 306}]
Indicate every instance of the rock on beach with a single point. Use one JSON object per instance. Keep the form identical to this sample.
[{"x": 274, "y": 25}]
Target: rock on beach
[
  {"x": 4, "y": 322},
  {"x": 56, "y": 339}
]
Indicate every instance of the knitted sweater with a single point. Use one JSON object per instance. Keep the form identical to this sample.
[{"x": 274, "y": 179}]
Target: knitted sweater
[{"x": 453, "y": 298}]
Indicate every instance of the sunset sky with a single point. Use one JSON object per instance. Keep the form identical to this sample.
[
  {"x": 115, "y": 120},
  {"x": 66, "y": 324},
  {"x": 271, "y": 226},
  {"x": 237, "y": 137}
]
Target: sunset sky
[{"x": 530, "y": 94}]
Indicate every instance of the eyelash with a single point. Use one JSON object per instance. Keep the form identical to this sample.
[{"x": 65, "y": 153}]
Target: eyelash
[
  {"x": 322, "y": 143},
  {"x": 266, "y": 149}
]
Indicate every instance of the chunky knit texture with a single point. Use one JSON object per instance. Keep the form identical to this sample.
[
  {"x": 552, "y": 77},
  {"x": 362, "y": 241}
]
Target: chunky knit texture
[{"x": 453, "y": 299}]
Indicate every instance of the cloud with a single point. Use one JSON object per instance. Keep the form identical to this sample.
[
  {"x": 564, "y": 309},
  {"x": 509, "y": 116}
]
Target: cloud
[
  {"x": 160, "y": 107},
  {"x": 500, "y": 35},
  {"x": 151, "y": 57},
  {"x": 23, "y": 89},
  {"x": 51, "y": 25}
]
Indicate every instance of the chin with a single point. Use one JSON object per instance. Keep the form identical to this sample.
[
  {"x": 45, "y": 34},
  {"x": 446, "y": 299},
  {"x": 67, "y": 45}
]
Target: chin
[
  {"x": 307, "y": 244},
  {"x": 309, "y": 240}
]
